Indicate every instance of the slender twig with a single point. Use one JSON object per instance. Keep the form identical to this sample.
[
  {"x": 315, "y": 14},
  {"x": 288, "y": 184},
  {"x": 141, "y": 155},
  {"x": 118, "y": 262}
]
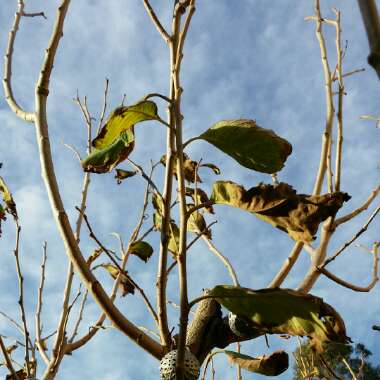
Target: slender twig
[
  {"x": 349, "y": 369},
  {"x": 74, "y": 150},
  {"x": 156, "y": 21},
  {"x": 38, "y": 324},
  {"x": 349, "y": 242},
  {"x": 348, "y": 285},
  {"x": 189, "y": 141},
  {"x": 360, "y": 209},
  {"x": 102, "y": 115},
  {"x": 339, "y": 71},
  {"x": 155, "y": 94},
  {"x": 7, "y": 80},
  {"x": 21, "y": 295},
  {"x": 8, "y": 360},
  {"x": 34, "y": 14},
  {"x": 326, "y": 138}
]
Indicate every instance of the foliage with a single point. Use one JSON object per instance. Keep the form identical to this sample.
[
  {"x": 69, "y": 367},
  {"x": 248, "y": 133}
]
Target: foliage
[{"x": 358, "y": 357}]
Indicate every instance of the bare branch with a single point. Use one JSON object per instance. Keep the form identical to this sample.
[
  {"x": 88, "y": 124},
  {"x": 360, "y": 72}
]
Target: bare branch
[
  {"x": 7, "y": 81},
  {"x": 48, "y": 173},
  {"x": 102, "y": 115},
  {"x": 38, "y": 324},
  {"x": 156, "y": 21},
  {"x": 286, "y": 266},
  {"x": 21, "y": 296},
  {"x": 349, "y": 242},
  {"x": 8, "y": 360},
  {"x": 360, "y": 209},
  {"x": 356, "y": 288}
]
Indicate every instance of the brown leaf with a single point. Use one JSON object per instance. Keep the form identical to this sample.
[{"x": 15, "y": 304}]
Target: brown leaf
[
  {"x": 297, "y": 214},
  {"x": 94, "y": 255},
  {"x": 126, "y": 283},
  {"x": 272, "y": 365},
  {"x": 189, "y": 167},
  {"x": 199, "y": 197}
]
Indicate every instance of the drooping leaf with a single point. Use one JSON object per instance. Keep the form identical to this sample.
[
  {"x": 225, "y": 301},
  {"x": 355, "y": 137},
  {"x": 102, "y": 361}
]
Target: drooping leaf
[
  {"x": 11, "y": 348},
  {"x": 189, "y": 168},
  {"x": 199, "y": 197},
  {"x": 297, "y": 214},
  {"x": 196, "y": 223},
  {"x": 122, "y": 174},
  {"x": 213, "y": 167},
  {"x": 94, "y": 255},
  {"x": 173, "y": 244},
  {"x": 284, "y": 311},
  {"x": 10, "y": 205},
  {"x": 126, "y": 284},
  {"x": 105, "y": 159},
  {"x": 272, "y": 365},
  {"x": 122, "y": 119},
  {"x": 141, "y": 249},
  {"x": 252, "y": 146}
]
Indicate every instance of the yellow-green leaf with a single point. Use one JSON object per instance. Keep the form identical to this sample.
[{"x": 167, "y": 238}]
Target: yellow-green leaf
[
  {"x": 250, "y": 145},
  {"x": 272, "y": 365},
  {"x": 122, "y": 119},
  {"x": 284, "y": 311},
  {"x": 122, "y": 174},
  {"x": 141, "y": 249},
  {"x": 94, "y": 255},
  {"x": 297, "y": 214},
  {"x": 104, "y": 160},
  {"x": 199, "y": 197},
  {"x": 10, "y": 205},
  {"x": 196, "y": 223}
]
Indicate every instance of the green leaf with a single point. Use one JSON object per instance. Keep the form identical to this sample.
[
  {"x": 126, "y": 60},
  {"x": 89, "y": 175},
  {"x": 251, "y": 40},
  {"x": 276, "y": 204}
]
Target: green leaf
[
  {"x": 252, "y": 146},
  {"x": 122, "y": 174},
  {"x": 297, "y": 214},
  {"x": 272, "y": 365},
  {"x": 104, "y": 160},
  {"x": 126, "y": 284},
  {"x": 196, "y": 223},
  {"x": 141, "y": 249},
  {"x": 122, "y": 119},
  {"x": 284, "y": 311}
]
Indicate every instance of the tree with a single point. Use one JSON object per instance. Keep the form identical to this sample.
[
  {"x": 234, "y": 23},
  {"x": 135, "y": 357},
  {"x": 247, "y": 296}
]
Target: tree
[
  {"x": 180, "y": 212},
  {"x": 337, "y": 361}
]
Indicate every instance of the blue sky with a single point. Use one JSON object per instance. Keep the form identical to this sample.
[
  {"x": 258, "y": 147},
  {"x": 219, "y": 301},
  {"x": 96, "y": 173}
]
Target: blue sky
[{"x": 243, "y": 59}]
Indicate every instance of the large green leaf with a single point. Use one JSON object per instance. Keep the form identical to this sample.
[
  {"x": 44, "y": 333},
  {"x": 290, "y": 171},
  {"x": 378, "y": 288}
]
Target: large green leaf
[
  {"x": 141, "y": 249},
  {"x": 284, "y": 311},
  {"x": 252, "y": 146},
  {"x": 122, "y": 119},
  {"x": 297, "y": 214},
  {"x": 272, "y": 365},
  {"x": 104, "y": 160}
]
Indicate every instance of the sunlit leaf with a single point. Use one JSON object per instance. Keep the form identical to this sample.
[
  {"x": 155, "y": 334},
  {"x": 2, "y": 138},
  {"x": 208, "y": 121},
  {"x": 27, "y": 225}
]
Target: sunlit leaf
[
  {"x": 122, "y": 119},
  {"x": 126, "y": 284},
  {"x": 272, "y": 365},
  {"x": 297, "y": 214},
  {"x": 189, "y": 168},
  {"x": 104, "y": 160},
  {"x": 252, "y": 146},
  {"x": 196, "y": 223},
  {"x": 142, "y": 249},
  {"x": 122, "y": 174},
  {"x": 11, "y": 348},
  {"x": 284, "y": 311},
  {"x": 10, "y": 205},
  {"x": 173, "y": 244},
  {"x": 94, "y": 255},
  {"x": 199, "y": 197}
]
